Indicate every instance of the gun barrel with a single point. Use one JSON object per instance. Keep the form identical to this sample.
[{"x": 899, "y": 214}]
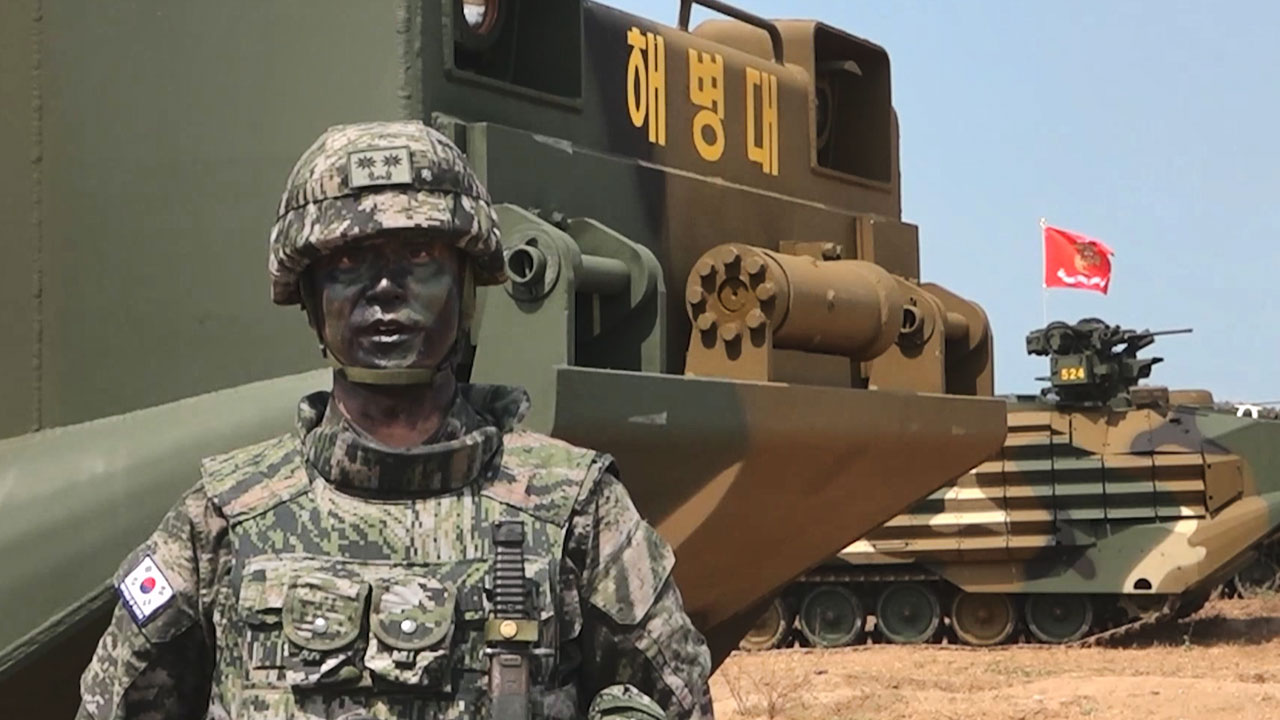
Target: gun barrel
[{"x": 1180, "y": 331}]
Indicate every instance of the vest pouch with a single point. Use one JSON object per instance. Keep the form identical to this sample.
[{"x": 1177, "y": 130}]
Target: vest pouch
[
  {"x": 260, "y": 607},
  {"x": 411, "y": 623},
  {"x": 323, "y": 616}
]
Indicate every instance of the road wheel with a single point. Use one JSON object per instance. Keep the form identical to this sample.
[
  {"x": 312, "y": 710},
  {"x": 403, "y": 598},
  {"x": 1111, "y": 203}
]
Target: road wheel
[
  {"x": 832, "y": 616},
  {"x": 1256, "y": 578},
  {"x": 1059, "y": 619},
  {"x": 983, "y": 619},
  {"x": 772, "y": 629},
  {"x": 908, "y": 613}
]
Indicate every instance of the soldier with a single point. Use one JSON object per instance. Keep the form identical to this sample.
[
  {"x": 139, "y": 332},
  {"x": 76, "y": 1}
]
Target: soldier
[{"x": 408, "y": 553}]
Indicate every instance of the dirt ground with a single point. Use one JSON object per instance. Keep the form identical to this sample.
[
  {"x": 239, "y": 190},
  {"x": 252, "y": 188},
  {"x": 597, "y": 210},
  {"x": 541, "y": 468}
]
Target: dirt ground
[{"x": 1222, "y": 663}]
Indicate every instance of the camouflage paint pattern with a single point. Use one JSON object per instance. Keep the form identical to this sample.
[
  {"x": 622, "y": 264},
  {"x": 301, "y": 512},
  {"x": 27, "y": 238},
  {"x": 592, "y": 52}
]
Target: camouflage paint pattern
[
  {"x": 1118, "y": 501},
  {"x": 427, "y": 309},
  {"x": 1149, "y": 500},
  {"x": 625, "y": 703},
  {"x": 324, "y": 205},
  {"x": 309, "y": 592}
]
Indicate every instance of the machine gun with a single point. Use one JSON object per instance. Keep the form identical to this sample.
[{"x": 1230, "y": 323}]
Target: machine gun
[{"x": 1093, "y": 364}]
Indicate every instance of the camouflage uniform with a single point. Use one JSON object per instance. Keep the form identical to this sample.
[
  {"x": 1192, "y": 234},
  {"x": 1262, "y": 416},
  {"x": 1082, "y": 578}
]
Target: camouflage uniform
[{"x": 323, "y": 575}]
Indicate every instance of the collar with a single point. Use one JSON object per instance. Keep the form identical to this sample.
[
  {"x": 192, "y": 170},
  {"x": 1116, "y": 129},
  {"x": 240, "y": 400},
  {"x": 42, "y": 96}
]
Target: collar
[{"x": 466, "y": 448}]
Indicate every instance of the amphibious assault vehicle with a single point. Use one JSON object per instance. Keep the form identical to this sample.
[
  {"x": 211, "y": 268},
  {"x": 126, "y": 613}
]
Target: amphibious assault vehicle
[
  {"x": 1111, "y": 504},
  {"x": 710, "y": 276}
]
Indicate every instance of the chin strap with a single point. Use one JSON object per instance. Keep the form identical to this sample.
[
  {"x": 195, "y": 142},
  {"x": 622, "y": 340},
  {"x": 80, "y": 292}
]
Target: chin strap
[{"x": 384, "y": 376}]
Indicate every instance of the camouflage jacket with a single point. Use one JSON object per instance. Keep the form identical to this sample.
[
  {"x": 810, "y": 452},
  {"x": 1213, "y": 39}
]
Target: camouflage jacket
[{"x": 323, "y": 575}]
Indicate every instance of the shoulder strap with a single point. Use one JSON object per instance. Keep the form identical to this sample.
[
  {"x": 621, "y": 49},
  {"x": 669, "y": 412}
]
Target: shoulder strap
[
  {"x": 544, "y": 476},
  {"x": 252, "y": 480}
]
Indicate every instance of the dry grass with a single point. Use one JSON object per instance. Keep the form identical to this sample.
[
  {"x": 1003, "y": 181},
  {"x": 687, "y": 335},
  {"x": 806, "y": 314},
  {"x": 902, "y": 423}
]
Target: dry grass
[{"x": 1223, "y": 663}]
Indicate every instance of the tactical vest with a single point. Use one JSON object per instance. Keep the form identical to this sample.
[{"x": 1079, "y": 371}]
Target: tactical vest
[{"x": 338, "y": 606}]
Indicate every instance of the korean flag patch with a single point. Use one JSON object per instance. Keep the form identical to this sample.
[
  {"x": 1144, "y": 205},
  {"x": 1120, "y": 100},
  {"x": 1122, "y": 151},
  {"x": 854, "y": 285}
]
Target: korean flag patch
[{"x": 145, "y": 590}]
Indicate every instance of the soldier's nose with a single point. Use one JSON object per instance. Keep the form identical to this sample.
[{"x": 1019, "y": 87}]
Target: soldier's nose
[{"x": 386, "y": 289}]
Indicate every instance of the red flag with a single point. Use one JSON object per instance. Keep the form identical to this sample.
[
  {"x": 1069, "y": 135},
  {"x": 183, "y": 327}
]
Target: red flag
[{"x": 1072, "y": 260}]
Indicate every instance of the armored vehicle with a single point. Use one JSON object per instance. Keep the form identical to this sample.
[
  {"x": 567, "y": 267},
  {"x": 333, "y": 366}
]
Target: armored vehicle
[
  {"x": 710, "y": 276},
  {"x": 1111, "y": 504}
]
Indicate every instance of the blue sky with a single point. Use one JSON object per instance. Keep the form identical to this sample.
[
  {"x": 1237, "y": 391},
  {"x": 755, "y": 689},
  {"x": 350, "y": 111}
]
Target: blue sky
[{"x": 1152, "y": 126}]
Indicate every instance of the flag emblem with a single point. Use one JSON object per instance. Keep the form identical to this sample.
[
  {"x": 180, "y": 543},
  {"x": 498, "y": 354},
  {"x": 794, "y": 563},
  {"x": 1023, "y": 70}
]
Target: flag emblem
[
  {"x": 1072, "y": 260},
  {"x": 145, "y": 590}
]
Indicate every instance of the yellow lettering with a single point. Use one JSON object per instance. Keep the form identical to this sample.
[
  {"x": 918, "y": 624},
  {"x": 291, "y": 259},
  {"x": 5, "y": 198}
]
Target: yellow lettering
[
  {"x": 647, "y": 83},
  {"x": 1071, "y": 373},
  {"x": 637, "y": 79},
  {"x": 765, "y": 152},
  {"x": 658, "y": 89},
  {"x": 706, "y": 91}
]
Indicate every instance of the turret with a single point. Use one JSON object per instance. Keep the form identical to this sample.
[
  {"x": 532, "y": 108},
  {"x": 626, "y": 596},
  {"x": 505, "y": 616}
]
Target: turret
[{"x": 1093, "y": 364}]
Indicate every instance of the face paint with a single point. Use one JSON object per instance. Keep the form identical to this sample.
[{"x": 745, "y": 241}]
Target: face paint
[{"x": 390, "y": 302}]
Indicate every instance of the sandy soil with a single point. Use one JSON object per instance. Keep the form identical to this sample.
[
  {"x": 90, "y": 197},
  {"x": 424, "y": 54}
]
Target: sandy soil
[{"x": 1222, "y": 663}]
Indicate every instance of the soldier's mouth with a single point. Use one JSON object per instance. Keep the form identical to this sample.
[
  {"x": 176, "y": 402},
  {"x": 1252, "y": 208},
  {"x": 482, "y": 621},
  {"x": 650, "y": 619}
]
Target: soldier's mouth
[{"x": 387, "y": 332}]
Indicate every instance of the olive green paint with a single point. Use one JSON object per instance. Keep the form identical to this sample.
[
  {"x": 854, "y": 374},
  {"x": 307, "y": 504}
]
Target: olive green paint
[
  {"x": 131, "y": 466},
  {"x": 168, "y": 132},
  {"x": 19, "y": 239},
  {"x": 1252, "y": 439}
]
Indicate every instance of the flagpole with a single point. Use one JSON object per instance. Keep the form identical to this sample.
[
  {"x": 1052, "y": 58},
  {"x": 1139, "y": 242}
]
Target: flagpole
[{"x": 1044, "y": 287}]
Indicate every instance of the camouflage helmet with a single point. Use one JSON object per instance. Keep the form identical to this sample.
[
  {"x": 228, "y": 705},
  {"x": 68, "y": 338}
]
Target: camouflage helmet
[{"x": 359, "y": 179}]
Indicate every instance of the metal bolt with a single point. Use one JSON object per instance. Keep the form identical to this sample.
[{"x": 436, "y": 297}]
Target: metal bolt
[
  {"x": 508, "y": 629},
  {"x": 706, "y": 321},
  {"x": 704, "y": 267},
  {"x": 320, "y": 625},
  {"x": 408, "y": 626},
  {"x": 765, "y": 291},
  {"x": 755, "y": 318},
  {"x": 732, "y": 294},
  {"x": 754, "y": 265},
  {"x": 729, "y": 331},
  {"x": 694, "y": 295},
  {"x": 728, "y": 254}
]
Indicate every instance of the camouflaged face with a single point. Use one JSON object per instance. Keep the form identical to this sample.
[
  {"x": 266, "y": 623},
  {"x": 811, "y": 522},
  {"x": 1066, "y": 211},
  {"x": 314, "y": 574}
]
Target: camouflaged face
[{"x": 360, "y": 179}]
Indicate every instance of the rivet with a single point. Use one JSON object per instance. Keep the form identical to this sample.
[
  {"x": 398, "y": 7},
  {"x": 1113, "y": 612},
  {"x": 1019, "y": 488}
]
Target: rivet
[
  {"x": 704, "y": 267},
  {"x": 508, "y": 629},
  {"x": 694, "y": 295},
  {"x": 754, "y": 265},
  {"x": 729, "y": 331},
  {"x": 319, "y": 625},
  {"x": 408, "y": 626},
  {"x": 706, "y": 321},
  {"x": 755, "y": 318},
  {"x": 765, "y": 291}
]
